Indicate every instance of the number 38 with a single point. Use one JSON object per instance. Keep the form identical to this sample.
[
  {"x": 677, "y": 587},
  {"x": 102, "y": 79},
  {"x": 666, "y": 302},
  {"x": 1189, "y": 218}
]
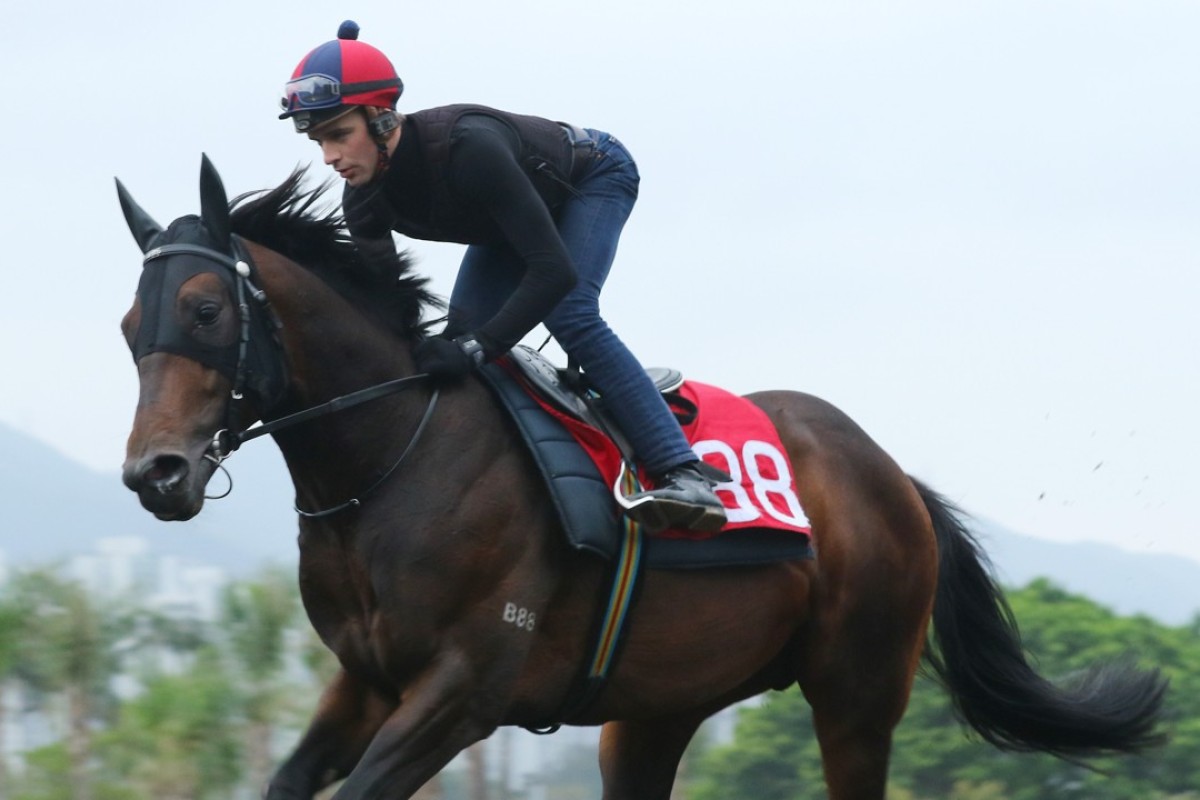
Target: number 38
[{"x": 773, "y": 489}]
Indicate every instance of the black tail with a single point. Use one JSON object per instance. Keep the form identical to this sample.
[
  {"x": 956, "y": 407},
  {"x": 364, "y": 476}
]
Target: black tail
[{"x": 1112, "y": 708}]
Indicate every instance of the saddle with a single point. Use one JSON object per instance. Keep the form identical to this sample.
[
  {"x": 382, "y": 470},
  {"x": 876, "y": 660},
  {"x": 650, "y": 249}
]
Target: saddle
[
  {"x": 553, "y": 409},
  {"x": 568, "y": 390},
  {"x": 557, "y": 415}
]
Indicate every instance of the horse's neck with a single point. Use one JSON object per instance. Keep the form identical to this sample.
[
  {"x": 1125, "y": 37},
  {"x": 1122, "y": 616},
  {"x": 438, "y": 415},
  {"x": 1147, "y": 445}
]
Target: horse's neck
[{"x": 332, "y": 350}]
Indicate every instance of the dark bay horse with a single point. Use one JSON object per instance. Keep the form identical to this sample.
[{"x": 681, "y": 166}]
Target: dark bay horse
[{"x": 447, "y": 589}]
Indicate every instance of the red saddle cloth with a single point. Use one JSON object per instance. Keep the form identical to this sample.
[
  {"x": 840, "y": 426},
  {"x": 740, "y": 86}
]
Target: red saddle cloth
[{"x": 733, "y": 435}]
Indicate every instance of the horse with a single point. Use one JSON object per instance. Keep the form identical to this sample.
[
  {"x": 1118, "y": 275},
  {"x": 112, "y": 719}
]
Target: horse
[{"x": 432, "y": 564}]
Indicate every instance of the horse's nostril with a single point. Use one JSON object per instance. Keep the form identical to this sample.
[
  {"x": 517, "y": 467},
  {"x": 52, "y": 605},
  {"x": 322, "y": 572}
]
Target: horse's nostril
[{"x": 164, "y": 473}]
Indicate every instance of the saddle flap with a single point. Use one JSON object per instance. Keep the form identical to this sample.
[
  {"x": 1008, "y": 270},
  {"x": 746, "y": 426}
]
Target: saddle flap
[
  {"x": 546, "y": 379},
  {"x": 550, "y": 382}
]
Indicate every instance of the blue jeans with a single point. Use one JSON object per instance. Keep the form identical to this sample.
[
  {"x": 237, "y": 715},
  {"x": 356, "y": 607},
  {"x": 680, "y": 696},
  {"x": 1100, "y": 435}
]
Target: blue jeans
[{"x": 590, "y": 225}]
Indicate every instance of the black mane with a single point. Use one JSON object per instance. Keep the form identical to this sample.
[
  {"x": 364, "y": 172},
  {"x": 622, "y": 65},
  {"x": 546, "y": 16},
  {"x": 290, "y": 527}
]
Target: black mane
[{"x": 286, "y": 220}]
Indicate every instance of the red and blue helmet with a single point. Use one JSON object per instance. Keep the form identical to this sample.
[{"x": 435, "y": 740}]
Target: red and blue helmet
[{"x": 336, "y": 76}]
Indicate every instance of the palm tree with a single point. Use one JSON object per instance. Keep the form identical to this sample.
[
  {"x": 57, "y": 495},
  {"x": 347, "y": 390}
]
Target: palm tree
[
  {"x": 68, "y": 651},
  {"x": 180, "y": 737},
  {"x": 10, "y": 636},
  {"x": 256, "y": 616}
]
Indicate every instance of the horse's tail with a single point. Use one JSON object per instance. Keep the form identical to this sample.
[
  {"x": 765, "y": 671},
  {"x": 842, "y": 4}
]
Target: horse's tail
[{"x": 1111, "y": 708}]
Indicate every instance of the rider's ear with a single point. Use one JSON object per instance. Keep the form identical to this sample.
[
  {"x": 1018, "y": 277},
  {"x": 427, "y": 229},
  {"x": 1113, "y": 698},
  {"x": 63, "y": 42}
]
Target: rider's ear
[
  {"x": 214, "y": 206},
  {"x": 141, "y": 225}
]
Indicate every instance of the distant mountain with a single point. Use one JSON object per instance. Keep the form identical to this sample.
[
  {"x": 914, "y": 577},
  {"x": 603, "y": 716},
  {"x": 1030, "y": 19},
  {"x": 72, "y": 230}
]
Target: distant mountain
[
  {"x": 1165, "y": 587},
  {"x": 54, "y": 508}
]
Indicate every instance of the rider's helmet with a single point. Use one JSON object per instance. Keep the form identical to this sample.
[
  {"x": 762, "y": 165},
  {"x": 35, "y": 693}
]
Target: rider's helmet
[{"x": 338, "y": 76}]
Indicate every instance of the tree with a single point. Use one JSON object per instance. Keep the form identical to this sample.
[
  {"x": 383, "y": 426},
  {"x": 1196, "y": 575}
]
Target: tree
[
  {"x": 685, "y": 775},
  {"x": 774, "y": 756},
  {"x": 320, "y": 661},
  {"x": 255, "y": 617},
  {"x": 774, "y": 753},
  {"x": 11, "y": 632},
  {"x": 69, "y": 652},
  {"x": 179, "y": 738},
  {"x": 46, "y": 775}
]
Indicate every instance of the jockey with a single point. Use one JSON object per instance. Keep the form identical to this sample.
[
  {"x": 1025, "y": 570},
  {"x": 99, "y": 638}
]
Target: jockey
[{"x": 540, "y": 206}]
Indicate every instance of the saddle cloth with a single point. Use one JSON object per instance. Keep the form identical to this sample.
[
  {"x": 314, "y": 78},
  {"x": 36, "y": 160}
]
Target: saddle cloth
[{"x": 580, "y": 465}]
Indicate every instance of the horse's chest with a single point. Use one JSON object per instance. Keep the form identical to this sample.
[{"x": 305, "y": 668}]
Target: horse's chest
[{"x": 365, "y": 637}]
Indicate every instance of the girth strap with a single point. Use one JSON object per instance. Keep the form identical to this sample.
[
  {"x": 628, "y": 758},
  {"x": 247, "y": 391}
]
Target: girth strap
[{"x": 626, "y": 581}]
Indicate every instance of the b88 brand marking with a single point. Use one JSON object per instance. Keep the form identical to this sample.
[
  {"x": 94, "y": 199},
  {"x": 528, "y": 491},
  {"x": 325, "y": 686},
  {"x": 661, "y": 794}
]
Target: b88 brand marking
[{"x": 521, "y": 617}]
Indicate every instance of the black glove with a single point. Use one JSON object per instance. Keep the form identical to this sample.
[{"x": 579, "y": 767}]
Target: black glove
[{"x": 449, "y": 358}]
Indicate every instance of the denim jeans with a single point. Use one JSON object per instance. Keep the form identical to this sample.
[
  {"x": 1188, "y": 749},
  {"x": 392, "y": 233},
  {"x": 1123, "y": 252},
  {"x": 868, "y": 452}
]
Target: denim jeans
[{"x": 590, "y": 225}]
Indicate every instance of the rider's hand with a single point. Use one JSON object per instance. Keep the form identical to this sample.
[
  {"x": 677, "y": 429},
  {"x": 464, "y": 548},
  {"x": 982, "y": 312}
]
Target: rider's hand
[{"x": 449, "y": 358}]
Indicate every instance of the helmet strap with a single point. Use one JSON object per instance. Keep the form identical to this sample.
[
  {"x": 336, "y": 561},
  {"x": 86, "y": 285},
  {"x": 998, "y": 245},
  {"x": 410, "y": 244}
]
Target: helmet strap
[{"x": 384, "y": 161}]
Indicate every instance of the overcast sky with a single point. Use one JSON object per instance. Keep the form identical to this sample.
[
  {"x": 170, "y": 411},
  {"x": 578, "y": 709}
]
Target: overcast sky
[{"x": 975, "y": 227}]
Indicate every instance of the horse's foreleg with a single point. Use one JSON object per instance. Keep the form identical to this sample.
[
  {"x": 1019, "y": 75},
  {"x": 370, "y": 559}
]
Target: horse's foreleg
[
  {"x": 638, "y": 758},
  {"x": 434, "y": 722},
  {"x": 347, "y": 719}
]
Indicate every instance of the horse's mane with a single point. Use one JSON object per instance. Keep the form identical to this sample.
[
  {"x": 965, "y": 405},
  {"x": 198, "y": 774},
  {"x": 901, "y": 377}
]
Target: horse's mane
[{"x": 286, "y": 220}]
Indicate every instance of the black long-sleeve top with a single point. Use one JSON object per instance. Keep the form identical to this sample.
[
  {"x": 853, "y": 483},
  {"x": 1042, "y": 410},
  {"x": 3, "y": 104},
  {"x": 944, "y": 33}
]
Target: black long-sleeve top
[{"x": 496, "y": 181}]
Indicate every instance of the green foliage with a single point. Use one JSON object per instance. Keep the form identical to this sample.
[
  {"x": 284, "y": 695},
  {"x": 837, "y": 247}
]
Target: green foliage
[
  {"x": 254, "y": 615},
  {"x": 202, "y": 730},
  {"x": 11, "y": 631},
  {"x": 72, "y": 635},
  {"x": 46, "y": 775},
  {"x": 774, "y": 754},
  {"x": 322, "y": 664},
  {"x": 68, "y": 647},
  {"x": 774, "y": 757},
  {"x": 196, "y": 731},
  {"x": 178, "y": 737}
]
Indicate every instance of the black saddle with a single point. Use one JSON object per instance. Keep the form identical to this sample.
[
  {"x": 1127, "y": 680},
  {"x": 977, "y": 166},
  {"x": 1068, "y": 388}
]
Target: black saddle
[{"x": 569, "y": 391}]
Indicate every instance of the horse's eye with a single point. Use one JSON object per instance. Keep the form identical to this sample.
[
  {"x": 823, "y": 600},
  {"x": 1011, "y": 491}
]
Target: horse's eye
[{"x": 208, "y": 314}]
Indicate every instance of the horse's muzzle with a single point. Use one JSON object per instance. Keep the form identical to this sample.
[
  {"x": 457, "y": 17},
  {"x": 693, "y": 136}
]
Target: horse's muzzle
[{"x": 165, "y": 485}]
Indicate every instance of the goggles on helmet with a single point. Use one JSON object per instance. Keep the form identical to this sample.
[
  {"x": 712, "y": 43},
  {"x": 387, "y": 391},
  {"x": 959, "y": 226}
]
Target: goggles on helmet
[
  {"x": 321, "y": 91},
  {"x": 312, "y": 91}
]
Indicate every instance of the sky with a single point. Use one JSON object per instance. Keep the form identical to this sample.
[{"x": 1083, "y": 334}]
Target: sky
[{"x": 975, "y": 227}]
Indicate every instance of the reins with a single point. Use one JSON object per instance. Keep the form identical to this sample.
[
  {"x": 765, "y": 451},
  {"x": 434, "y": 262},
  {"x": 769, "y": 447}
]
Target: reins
[
  {"x": 354, "y": 502},
  {"x": 336, "y": 404}
]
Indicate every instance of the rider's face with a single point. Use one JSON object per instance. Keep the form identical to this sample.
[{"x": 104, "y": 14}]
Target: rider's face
[{"x": 348, "y": 147}]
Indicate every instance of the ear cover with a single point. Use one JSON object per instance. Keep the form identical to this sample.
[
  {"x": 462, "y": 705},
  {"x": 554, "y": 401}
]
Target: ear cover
[
  {"x": 214, "y": 206},
  {"x": 141, "y": 225},
  {"x": 382, "y": 123}
]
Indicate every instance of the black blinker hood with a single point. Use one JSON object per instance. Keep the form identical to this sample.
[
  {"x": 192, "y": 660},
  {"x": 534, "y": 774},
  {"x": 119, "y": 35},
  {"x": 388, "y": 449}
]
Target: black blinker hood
[{"x": 252, "y": 360}]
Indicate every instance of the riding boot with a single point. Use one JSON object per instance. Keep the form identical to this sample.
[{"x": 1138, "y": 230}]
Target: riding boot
[{"x": 684, "y": 498}]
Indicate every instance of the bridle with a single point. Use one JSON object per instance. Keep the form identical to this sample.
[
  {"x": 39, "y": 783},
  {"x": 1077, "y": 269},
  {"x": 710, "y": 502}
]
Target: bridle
[
  {"x": 267, "y": 382},
  {"x": 270, "y": 386}
]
